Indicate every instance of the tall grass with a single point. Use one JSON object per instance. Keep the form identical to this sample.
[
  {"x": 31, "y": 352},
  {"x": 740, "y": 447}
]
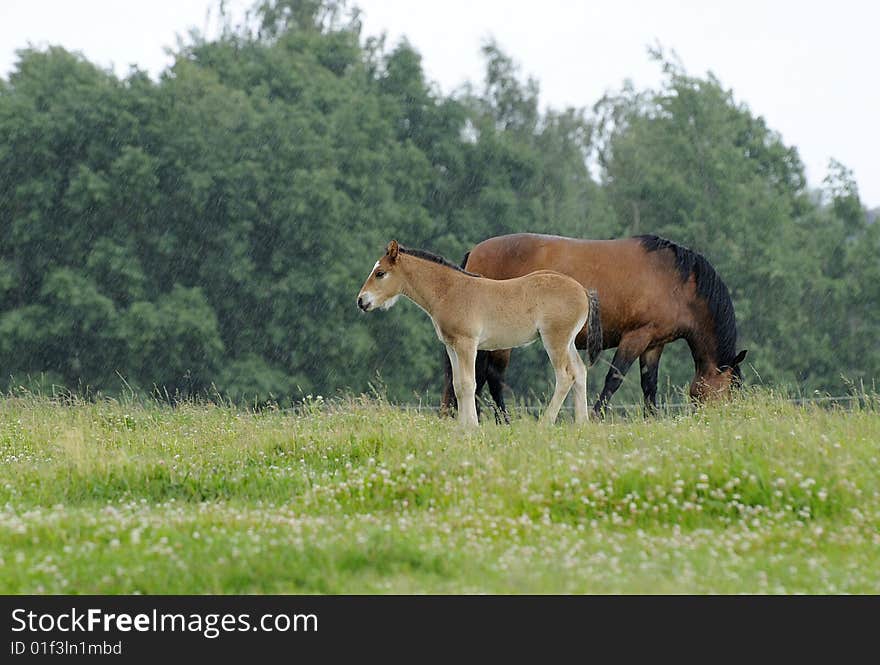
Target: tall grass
[{"x": 760, "y": 495}]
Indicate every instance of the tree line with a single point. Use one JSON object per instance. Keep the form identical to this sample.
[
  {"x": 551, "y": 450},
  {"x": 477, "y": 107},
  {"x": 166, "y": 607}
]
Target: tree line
[{"x": 206, "y": 233}]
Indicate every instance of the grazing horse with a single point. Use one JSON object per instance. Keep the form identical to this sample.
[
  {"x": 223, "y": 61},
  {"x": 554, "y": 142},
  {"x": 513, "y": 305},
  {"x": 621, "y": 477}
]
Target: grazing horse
[
  {"x": 472, "y": 313},
  {"x": 652, "y": 291}
]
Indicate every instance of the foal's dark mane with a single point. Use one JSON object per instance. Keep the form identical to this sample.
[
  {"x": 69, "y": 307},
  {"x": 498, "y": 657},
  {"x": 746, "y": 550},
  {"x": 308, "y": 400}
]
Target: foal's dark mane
[
  {"x": 428, "y": 256},
  {"x": 710, "y": 288}
]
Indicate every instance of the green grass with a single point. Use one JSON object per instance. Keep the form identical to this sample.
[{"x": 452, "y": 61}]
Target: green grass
[{"x": 756, "y": 496}]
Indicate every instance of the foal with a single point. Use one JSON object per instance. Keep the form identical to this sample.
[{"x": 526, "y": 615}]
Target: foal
[{"x": 472, "y": 313}]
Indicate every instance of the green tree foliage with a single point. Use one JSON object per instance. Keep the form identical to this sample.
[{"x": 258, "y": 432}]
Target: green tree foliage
[{"x": 207, "y": 232}]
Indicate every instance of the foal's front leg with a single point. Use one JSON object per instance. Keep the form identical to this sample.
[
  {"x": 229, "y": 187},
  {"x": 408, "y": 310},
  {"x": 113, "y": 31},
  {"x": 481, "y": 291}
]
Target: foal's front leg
[{"x": 463, "y": 356}]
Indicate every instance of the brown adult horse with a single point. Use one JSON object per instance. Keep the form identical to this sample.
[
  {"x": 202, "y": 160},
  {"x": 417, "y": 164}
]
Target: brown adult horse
[{"x": 652, "y": 292}]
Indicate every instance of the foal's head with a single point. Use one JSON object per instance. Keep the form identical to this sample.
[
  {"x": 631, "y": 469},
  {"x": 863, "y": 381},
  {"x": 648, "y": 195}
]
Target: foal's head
[
  {"x": 384, "y": 283},
  {"x": 718, "y": 382}
]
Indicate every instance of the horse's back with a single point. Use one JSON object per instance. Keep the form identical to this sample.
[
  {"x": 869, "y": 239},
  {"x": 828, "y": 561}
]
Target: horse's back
[
  {"x": 537, "y": 287},
  {"x": 543, "y": 287},
  {"x": 505, "y": 257},
  {"x": 636, "y": 287},
  {"x": 512, "y": 312}
]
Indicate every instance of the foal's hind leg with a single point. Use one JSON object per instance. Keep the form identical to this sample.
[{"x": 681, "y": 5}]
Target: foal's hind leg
[
  {"x": 580, "y": 385},
  {"x": 566, "y": 374}
]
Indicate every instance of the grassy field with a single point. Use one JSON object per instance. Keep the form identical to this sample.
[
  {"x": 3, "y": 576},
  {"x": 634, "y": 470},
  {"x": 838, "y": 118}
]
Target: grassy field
[{"x": 759, "y": 496}]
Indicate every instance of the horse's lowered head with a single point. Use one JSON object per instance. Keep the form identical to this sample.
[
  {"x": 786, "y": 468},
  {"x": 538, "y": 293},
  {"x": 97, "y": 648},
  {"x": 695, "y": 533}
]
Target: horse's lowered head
[
  {"x": 384, "y": 283},
  {"x": 718, "y": 382}
]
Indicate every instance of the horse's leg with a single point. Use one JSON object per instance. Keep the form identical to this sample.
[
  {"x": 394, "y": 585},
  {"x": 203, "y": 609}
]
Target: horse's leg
[
  {"x": 481, "y": 375},
  {"x": 631, "y": 346},
  {"x": 649, "y": 363},
  {"x": 495, "y": 368},
  {"x": 565, "y": 376},
  {"x": 463, "y": 356},
  {"x": 580, "y": 385},
  {"x": 447, "y": 399}
]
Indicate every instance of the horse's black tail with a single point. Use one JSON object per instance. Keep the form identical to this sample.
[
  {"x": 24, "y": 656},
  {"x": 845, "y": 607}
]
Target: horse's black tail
[
  {"x": 594, "y": 327},
  {"x": 464, "y": 260}
]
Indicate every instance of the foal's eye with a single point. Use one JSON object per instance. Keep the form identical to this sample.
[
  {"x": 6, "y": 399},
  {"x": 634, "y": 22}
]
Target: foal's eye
[{"x": 379, "y": 274}]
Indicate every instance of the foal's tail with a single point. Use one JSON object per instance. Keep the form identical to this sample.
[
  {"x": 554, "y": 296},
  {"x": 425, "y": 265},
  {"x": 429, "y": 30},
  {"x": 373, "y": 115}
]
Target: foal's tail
[{"x": 594, "y": 326}]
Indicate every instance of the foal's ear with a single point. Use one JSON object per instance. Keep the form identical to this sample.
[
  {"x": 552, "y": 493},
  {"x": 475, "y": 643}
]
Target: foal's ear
[
  {"x": 393, "y": 249},
  {"x": 740, "y": 357}
]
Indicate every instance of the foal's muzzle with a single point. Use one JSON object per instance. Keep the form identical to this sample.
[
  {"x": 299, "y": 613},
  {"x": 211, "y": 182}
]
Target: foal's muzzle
[{"x": 363, "y": 304}]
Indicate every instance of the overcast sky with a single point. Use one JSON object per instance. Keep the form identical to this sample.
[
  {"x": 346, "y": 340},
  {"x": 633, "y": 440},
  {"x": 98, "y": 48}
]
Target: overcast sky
[{"x": 810, "y": 68}]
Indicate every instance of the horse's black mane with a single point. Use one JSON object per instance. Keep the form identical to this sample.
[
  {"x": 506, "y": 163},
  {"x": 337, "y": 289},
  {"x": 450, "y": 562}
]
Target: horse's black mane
[
  {"x": 428, "y": 256},
  {"x": 710, "y": 287}
]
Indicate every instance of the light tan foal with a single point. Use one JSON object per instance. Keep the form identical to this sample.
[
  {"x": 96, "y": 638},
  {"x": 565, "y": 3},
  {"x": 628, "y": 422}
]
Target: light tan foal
[{"x": 472, "y": 313}]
